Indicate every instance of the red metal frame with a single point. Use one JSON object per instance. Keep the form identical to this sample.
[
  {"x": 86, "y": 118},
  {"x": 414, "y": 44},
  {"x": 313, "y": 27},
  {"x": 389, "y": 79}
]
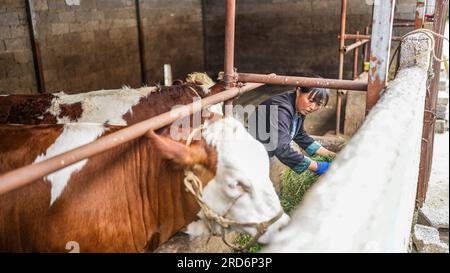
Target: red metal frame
[
  {"x": 303, "y": 81},
  {"x": 420, "y": 14},
  {"x": 383, "y": 19},
  {"x": 229, "y": 76}
]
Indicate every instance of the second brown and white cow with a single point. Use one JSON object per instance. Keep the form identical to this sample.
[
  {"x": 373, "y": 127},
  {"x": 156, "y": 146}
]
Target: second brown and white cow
[
  {"x": 131, "y": 198},
  {"x": 124, "y": 106}
]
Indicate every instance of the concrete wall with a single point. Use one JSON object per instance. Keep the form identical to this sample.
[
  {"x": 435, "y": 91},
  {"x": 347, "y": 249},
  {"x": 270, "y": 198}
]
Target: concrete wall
[
  {"x": 365, "y": 203},
  {"x": 16, "y": 60},
  {"x": 88, "y": 46},
  {"x": 94, "y": 44},
  {"x": 173, "y": 33}
]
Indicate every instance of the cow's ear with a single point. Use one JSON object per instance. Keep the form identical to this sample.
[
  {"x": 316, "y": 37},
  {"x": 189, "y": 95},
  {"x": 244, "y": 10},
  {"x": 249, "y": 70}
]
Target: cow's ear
[{"x": 178, "y": 152}]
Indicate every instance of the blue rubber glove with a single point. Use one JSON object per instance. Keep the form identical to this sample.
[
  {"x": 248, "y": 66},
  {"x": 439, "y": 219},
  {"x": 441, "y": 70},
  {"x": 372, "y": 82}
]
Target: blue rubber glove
[{"x": 322, "y": 167}]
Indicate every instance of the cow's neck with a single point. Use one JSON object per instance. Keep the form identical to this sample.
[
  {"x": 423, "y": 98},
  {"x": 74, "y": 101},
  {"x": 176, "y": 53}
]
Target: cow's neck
[{"x": 174, "y": 207}]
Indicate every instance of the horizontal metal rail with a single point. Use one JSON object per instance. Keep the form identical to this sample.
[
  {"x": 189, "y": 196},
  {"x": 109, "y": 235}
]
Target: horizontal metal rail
[
  {"x": 303, "y": 81},
  {"x": 25, "y": 175},
  {"x": 366, "y": 37},
  {"x": 347, "y": 49}
]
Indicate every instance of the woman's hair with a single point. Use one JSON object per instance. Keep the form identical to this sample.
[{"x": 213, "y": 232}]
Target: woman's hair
[{"x": 317, "y": 95}]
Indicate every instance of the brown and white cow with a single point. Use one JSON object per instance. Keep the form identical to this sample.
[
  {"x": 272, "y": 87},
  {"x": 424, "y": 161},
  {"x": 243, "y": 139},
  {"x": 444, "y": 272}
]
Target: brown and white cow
[
  {"x": 130, "y": 198},
  {"x": 124, "y": 106}
]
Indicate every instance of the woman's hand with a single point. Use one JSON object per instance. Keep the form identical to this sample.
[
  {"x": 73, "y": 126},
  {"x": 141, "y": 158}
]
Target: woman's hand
[
  {"x": 313, "y": 166},
  {"x": 319, "y": 167},
  {"x": 324, "y": 152}
]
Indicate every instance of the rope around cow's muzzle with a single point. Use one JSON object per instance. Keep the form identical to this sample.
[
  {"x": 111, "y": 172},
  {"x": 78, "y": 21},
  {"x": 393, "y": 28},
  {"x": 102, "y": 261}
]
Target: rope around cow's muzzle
[{"x": 195, "y": 187}]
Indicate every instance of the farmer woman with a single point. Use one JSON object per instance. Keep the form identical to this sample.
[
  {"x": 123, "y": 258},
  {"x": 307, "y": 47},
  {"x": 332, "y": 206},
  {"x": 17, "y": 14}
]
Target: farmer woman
[{"x": 279, "y": 120}]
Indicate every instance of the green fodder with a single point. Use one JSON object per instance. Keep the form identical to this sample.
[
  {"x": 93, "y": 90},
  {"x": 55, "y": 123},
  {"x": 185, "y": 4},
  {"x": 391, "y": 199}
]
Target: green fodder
[
  {"x": 293, "y": 187},
  {"x": 244, "y": 239}
]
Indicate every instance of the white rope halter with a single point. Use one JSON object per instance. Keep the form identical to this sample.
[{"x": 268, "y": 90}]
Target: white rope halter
[{"x": 195, "y": 186}]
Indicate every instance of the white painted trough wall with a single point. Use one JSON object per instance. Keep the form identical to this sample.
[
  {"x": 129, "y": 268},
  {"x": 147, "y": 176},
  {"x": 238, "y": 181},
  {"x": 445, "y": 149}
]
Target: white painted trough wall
[{"x": 365, "y": 203}]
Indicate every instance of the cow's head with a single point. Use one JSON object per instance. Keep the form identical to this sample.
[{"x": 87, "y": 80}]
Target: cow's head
[{"x": 240, "y": 187}]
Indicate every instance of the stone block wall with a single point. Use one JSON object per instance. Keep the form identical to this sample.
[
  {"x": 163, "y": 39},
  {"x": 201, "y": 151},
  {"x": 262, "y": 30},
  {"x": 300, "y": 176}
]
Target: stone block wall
[
  {"x": 173, "y": 34},
  {"x": 16, "y": 59},
  {"x": 88, "y": 45},
  {"x": 289, "y": 36},
  {"x": 93, "y": 44}
]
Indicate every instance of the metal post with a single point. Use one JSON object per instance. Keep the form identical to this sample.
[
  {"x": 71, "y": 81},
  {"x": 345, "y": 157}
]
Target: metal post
[
  {"x": 366, "y": 46},
  {"x": 420, "y": 14},
  {"x": 35, "y": 48},
  {"x": 426, "y": 156},
  {"x": 355, "y": 62},
  {"x": 205, "y": 35},
  {"x": 380, "y": 48},
  {"x": 168, "y": 79},
  {"x": 229, "y": 76},
  {"x": 341, "y": 63},
  {"x": 401, "y": 24},
  {"x": 141, "y": 43}
]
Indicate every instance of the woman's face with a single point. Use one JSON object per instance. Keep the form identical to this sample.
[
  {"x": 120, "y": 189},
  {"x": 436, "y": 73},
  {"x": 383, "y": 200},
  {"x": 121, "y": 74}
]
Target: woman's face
[{"x": 306, "y": 105}]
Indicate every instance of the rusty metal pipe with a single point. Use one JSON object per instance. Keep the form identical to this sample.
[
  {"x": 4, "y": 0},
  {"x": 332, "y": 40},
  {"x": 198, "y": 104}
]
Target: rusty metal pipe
[
  {"x": 403, "y": 24},
  {"x": 366, "y": 37},
  {"x": 366, "y": 46},
  {"x": 355, "y": 62},
  {"x": 303, "y": 81},
  {"x": 341, "y": 63},
  {"x": 342, "y": 38},
  {"x": 354, "y": 46},
  {"x": 23, "y": 176},
  {"x": 383, "y": 18},
  {"x": 229, "y": 77},
  {"x": 396, "y": 20},
  {"x": 420, "y": 14}
]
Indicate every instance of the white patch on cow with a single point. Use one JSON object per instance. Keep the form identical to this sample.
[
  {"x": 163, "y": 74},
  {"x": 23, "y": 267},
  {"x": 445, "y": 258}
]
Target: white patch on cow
[
  {"x": 242, "y": 163},
  {"x": 216, "y": 108},
  {"x": 73, "y": 136},
  {"x": 104, "y": 106}
]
